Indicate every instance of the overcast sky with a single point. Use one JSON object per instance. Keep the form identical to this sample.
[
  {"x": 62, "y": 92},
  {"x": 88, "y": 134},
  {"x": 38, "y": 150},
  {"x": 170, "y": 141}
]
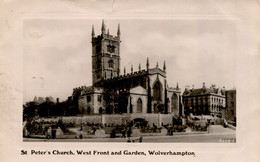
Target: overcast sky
[{"x": 57, "y": 52}]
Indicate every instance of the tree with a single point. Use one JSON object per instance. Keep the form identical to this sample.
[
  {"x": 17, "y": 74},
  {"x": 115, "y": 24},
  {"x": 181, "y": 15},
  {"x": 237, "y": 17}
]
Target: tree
[
  {"x": 29, "y": 109},
  {"x": 111, "y": 100}
]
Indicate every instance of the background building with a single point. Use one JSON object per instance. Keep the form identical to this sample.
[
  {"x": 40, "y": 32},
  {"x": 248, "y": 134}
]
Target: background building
[
  {"x": 230, "y": 113},
  {"x": 206, "y": 101}
]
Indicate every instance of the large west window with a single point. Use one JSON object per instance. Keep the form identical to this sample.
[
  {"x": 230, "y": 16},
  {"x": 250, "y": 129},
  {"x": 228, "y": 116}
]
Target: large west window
[{"x": 157, "y": 91}]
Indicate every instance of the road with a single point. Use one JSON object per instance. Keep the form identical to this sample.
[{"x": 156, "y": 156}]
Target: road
[{"x": 191, "y": 138}]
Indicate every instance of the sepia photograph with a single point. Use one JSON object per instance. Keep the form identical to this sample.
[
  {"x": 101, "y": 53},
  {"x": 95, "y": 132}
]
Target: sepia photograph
[
  {"x": 129, "y": 80},
  {"x": 95, "y": 80}
]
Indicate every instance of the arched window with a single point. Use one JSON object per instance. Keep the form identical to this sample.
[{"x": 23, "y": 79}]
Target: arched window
[
  {"x": 157, "y": 91},
  {"x": 111, "y": 48},
  {"x": 174, "y": 101},
  {"x": 111, "y": 63},
  {"x": 139, "y": 105}
]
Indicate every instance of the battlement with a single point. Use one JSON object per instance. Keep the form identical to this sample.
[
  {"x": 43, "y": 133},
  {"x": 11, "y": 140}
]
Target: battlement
[
  {"x": 138, "y": 73},
  {"x": 82, "y": 88},
  {"x": 171, "y": 89},
  {"x": 105, "y": 33},
  {"x": 128, "y": 75},
  {"x": 105, "y": 36},
  {"x": 156, "y": 71}
]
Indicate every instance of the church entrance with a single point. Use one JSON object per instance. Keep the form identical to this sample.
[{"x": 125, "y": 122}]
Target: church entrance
[{"x": 140, "y": 122}]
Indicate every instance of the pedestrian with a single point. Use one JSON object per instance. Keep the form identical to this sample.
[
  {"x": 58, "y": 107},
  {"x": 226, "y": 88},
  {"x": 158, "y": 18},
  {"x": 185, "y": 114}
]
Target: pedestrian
[
  {"x": 123, "y": 133},
  {"x": 129, "y": 132},
  {"x": 49, "y": 131},
  {"x": 141, "y": 139},
  {"x": 80, "y": 135}
]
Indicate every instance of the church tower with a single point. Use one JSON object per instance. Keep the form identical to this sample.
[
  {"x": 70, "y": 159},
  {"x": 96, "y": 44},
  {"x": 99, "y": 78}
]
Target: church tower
[{"x": 105, "y": 55}]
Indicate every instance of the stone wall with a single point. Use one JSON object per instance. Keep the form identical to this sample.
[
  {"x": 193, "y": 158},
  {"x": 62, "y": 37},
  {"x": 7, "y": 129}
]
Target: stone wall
[
  {"x": 115, "y": 119},
  {"x": 152, "y": 119},
  {"x": 92, "y": 119},
  {"x": 166, "y": 119}
]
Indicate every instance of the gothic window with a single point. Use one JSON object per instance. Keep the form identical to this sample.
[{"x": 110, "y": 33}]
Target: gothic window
[
  {"x": 157, "y": 91},
  {"x": 111, "y": 63},
  {"x": 88, "y": 98},
  {"x": 98, "y": 48},
  {"x": 98, "y": 64},
  {"x": 174, "y": 101},
  {"x": 111, "y": 49},
  {"x": 139, "y": 105},
  {"x": 99, "y": 98},
  {"x": 232, "y": 104},
  {"x": 88, "y": 110}
]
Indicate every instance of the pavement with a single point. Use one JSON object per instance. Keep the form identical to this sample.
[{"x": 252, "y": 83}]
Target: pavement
[
  {"x": 217, "y": 134},
  {"x": 189, "y": 138}
]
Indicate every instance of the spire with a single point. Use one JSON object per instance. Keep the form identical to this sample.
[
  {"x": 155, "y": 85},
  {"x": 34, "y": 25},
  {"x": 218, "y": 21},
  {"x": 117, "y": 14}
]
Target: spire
[
  {"x": 118, "y": 31},
  {"x": 93, "y": 32},
  {"x": 103, "y": 28},
  {"x": 203, "y": 85},
  {"x": 131, "y": 68},
  {"x": 107, "y": 31},
  {"x": 147, "y": 63},
  {"x": 139, "y": 67},
  {"x": 124, "y": 71},
  {"x": 177, "y": 86},
  {"x": 157, "y": 65},
  {"x": 164, "y": 66}
]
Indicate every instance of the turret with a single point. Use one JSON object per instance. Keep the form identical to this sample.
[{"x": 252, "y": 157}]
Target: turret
[
  {"x": 203, "y": 85},
  {"x": 118, "y": 31},
  {"x": 177, "y": 86},
  {"x": 103, "y": 28},
  {"x": 93, "y": 32},
  {"x": 164, "y": 66},
  {"x": 147, "y": 63}
]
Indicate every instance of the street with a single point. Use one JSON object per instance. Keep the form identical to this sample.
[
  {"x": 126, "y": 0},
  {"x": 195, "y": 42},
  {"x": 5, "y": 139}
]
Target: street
[{"x": 190, "y": 138}]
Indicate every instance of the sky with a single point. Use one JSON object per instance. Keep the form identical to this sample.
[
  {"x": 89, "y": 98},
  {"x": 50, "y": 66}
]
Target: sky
[{"x": 57, "y": 52}]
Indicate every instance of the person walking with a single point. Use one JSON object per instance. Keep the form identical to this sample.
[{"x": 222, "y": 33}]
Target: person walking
[{"x": 123, "y": 133}]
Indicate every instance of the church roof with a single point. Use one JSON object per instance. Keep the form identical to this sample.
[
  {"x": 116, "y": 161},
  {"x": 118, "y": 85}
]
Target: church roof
[{"x": 138, "y": 73}]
